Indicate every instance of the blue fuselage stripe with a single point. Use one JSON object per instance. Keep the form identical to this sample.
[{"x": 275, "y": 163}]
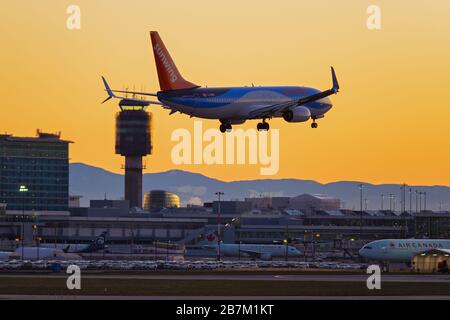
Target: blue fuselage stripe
[{"x": 208, "y": 98}]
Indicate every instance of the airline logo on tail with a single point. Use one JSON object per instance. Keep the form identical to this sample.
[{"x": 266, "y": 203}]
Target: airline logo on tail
[
  {"x": 168, "y": 74},
  {"x": 166, "y": 63},
  {"x": 211, "y": 237}
]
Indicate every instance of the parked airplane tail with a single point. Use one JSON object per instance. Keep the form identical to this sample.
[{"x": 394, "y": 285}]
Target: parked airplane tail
[
  {"x": 208, "y": 238},
  {"x": 97, "y": 244},
  {"x": 168, "y": 74}
]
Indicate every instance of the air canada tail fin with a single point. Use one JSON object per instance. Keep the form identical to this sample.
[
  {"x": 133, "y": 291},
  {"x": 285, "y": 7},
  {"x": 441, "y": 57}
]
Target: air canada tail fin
[{"x": 168, "y": 74}]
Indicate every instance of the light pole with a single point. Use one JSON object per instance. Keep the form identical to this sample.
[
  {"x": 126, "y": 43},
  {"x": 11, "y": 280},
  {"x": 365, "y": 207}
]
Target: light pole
[
  {"x": 361, "y": 186},
  {"x": 403, "y": 197},
  {"x": 417, "y": 201},
  {"x": 424, "y": 201},
  {"x": 239, "y": 249},
  {"x": 36, "y": 239},
  {"x": 360, "y": 209},
  {"x": 219, "y": 194},
  {"x": 286, "y": 252},
  {"x": 420, "y": 201},
  {"x": 167, "y": 250},
  {"x": 382, "y": 202},
  {"x": 410, "y": 200},
  {"x": 23, "y": 189}
]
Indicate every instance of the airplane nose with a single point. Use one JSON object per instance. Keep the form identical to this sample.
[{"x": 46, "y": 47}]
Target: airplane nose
[{"x": 361, "y": 253}]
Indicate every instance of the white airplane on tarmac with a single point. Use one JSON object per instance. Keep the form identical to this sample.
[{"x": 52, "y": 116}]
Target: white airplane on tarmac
[{"x": 261, "y": 251}]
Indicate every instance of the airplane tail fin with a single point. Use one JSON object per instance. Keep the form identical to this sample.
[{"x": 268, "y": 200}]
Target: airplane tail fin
[
  {"x": 101, "y": 239},
  {"x": 168, "y": 74},
  {"x": 335, "y": 81}
]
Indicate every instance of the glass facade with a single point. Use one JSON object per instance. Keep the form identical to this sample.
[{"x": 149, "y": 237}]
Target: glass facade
[{"x": 42, "y": 165}]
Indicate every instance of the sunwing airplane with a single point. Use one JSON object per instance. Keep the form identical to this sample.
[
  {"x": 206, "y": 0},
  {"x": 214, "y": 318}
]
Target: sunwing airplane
[
  {"x": 400, "y": 250},
  {"x": 96, "y": 245},
  {"x": 261, "y": 251},
  {"x": 231, "y": 105}
]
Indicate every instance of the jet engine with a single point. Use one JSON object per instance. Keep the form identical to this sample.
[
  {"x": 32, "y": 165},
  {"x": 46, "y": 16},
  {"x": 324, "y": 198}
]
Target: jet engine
[{"x": 299, "y": 114}]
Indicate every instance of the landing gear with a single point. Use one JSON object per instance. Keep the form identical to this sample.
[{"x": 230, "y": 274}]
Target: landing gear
[
  {"x": 224, "y": 127},
  {"x": 314, "y": 125},
  {"x": 263, "y": 126}
]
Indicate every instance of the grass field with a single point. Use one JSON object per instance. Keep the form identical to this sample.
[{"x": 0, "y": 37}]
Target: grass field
[{"x": 134, "y": 287}]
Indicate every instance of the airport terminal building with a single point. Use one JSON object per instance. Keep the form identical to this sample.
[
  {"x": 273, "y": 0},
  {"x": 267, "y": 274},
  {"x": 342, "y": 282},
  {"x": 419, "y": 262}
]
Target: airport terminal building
[{"x": 34, "y": 173}]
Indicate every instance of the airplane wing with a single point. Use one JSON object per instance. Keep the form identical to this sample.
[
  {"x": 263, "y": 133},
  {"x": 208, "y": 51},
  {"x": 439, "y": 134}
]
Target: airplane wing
[
  {"x": 268, "y": 111},
  {"x": 125, "y": 101}
]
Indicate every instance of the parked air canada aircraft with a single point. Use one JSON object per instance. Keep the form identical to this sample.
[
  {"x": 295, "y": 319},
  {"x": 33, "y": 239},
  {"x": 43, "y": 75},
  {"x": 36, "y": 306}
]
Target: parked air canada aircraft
[
  {"x": 230, "y": 105},
  {"x": 400, "y": 250},
  {"x": 260, "y": 251}
]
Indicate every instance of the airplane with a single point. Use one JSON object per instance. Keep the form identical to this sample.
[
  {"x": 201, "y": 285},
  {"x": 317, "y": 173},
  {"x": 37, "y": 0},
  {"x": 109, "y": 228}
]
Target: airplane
[
  {"x": 6, "y": 255},
  {"x": 230, "y": 105},
  {"x": 37, "y": 253},
  {"x": 261, "y": 251},
  {"x": 400, "y": 250},
  {"x": 96, "y": 245}
]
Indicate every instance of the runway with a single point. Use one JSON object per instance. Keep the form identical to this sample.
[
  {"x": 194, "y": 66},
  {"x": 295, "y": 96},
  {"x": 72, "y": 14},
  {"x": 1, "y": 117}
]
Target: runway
[{"x": 256, "y": 277}]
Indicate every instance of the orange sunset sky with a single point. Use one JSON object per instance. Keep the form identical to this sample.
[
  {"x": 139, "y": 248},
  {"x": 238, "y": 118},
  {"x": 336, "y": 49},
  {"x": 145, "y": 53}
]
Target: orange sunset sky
[{"x": 390, "y": 123}]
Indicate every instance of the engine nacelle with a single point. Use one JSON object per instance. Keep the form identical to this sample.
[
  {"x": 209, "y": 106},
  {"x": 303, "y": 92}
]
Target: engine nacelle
[{"x": 299, "y": 114}]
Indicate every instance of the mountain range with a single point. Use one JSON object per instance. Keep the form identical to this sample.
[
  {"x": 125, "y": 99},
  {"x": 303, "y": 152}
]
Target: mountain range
[{"x": 96, "y": 183}]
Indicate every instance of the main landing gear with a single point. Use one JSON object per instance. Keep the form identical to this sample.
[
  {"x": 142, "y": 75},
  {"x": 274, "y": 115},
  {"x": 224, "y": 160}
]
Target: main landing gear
[
  {"x": 314, "y": 124},
  {"x": 263, "y": 126},
  {"x": 225, "y": 127}
]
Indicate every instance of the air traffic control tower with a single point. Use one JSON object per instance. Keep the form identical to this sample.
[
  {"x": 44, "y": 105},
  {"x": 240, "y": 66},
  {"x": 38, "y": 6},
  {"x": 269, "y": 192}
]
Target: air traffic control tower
[{"x": 133, "y": 141}]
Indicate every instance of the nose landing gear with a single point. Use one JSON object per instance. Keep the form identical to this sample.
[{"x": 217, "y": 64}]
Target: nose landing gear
[{"x": 263, "y": 126}]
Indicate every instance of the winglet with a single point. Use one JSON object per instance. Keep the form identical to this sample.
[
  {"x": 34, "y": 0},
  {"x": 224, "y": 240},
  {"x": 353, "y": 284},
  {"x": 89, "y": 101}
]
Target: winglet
[
  {"x": 108, "y": 90},
  {"x": 335, "y": 81}
]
